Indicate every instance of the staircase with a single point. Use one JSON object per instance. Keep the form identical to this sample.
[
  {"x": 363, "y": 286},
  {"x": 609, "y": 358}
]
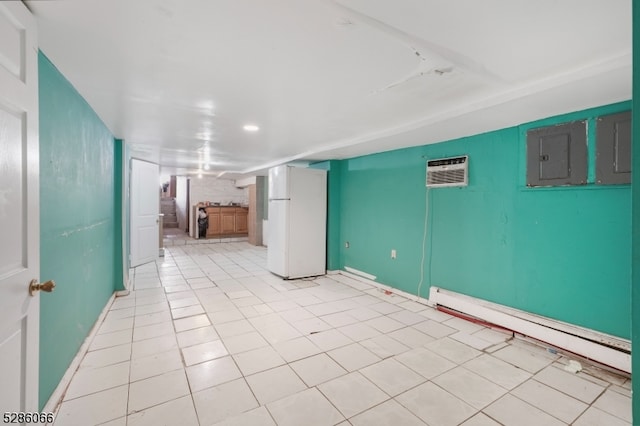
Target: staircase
[{"x": 168, "y": 208}]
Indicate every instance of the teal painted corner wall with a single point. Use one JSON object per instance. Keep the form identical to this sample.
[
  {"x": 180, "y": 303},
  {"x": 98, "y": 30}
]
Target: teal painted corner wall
[
  {"x": 635, "y": 185},
  {"x": 118, "y": 246},
  {"x": 77, "y": 222},
  {"x": 127, "y": 202},
  {"x": 563, "y": 253},
  {"x": 265, "y": 199}
]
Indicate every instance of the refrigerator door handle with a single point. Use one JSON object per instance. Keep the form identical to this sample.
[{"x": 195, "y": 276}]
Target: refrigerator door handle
[{"x": 279, "y": 199}]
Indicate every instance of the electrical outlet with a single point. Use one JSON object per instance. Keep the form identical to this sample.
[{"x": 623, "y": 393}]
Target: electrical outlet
[
  {"x": 393, "y": 253},
  {"x": 346, "y": 244}
]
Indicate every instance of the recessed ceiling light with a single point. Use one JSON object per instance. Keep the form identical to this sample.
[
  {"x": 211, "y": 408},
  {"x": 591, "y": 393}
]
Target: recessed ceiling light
[
  {"x": 251, "y": 128},
  {"x": 207, "y": 167}
]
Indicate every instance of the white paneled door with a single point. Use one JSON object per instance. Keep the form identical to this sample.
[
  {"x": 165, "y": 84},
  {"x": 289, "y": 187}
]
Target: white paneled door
[
  {"x": 145, "y": 207},
  {"x": 19, "y": 204}
]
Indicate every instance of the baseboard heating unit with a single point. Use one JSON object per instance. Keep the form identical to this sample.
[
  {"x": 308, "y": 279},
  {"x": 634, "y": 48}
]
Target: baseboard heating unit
[{"x": 605, "y": 349}]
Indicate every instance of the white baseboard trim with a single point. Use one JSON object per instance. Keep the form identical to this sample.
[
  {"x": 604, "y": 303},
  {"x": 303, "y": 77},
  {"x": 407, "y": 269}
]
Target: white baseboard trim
[
  {"x": 600, "y": 347},
  {"x": 385, "y": 287},
  {"x": 605, "y": 349},
  {"x": 53, "y": 404},
  {"x": 360, "y": 273}
]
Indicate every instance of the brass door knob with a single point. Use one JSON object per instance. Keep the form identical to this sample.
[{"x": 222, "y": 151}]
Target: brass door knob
[{"x": 34, "y": 286}]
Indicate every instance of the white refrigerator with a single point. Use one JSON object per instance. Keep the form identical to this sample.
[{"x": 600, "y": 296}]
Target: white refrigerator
[{"x": 297, "y": 222}]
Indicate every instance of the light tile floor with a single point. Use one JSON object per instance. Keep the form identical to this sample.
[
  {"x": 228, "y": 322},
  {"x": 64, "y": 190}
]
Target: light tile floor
[
  {"x": 209, "y": 336},
  {"x": 178, "y": 237}
]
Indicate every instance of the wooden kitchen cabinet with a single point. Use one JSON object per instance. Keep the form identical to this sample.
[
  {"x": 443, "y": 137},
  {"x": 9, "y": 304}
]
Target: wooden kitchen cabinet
[
  {"x": 227, "y": 220},
  {"x": 242, "y": 223},
  {"x": 214, "y": 221}
]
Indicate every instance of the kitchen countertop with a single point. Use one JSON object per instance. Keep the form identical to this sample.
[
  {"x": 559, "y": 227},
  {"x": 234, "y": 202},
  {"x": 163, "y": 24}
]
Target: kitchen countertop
[{"x": 222, "y": 206}]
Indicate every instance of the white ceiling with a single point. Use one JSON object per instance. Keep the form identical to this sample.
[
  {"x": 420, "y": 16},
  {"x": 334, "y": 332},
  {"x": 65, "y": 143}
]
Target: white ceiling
[{"x": 178, "y": 79}]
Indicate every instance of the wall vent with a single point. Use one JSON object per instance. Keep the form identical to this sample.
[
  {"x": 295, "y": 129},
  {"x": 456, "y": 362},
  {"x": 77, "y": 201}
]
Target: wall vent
[{"x": 446, "y": 172}]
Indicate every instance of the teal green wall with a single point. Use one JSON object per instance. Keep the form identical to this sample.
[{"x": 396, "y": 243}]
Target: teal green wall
[
  {"x": 127, "y": 200},
  {"x": 265, "y": 199},
  {"x": 77, "y": 222},
  {"x": 635, "y": 283},
  {"x": 557, "y": 252},
  {"x": 118, "y": 182}
]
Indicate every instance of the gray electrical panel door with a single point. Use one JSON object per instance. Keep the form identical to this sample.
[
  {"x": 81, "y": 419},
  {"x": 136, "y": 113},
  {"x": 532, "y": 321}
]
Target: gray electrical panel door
[
  {"x": 557, "y": 155},
  {"x": 613, "y": 149}
]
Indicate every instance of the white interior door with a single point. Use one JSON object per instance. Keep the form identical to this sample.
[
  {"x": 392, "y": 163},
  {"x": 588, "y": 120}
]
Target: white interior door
[
  {"x": 19, "y": 204},
  {"x": 145, "y": 207}
]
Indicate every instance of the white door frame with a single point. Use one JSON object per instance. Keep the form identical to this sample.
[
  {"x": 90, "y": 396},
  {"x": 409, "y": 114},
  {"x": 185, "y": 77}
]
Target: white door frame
[{"x": 19, "y": 209}]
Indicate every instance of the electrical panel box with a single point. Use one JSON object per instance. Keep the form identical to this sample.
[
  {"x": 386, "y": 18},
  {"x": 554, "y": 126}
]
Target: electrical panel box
[
  {"x": 613, "y": 149},
  {"x": 557, "y": 155}
]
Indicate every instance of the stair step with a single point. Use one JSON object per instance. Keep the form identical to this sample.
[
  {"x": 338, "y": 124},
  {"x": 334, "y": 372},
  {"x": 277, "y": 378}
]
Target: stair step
[{"x": 168, "y": 209}]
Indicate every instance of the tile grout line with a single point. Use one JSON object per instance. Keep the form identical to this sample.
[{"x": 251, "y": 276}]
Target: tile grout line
[{"x": 201, "y": 266}]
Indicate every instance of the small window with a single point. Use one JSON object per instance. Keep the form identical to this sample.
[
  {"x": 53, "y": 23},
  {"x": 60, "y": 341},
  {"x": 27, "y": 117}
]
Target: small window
[
  {"x": 613, "y": 146},
  {"x": 557, "y": 155}
]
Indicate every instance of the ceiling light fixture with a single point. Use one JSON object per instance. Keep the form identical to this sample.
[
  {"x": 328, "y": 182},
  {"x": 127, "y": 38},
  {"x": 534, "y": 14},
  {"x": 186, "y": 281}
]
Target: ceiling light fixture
[
  {"x": 200, "y": 175},
  {"x": 251, "y": 128},
  {"x": 207, "y": 167}
]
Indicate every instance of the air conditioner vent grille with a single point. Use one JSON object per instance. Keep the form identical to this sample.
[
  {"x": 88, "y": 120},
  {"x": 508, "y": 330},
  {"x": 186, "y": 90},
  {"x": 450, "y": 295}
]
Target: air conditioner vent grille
[
  {"x": 445, "y": 176},
  {"x": 447, "y": 172}
]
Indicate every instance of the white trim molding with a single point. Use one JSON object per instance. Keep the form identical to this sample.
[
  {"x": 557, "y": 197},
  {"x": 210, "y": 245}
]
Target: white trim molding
[
  {"x": 385, "y": 287},
  {"x": 600, "y": 347},
  {"x": 360, "y": 274}
]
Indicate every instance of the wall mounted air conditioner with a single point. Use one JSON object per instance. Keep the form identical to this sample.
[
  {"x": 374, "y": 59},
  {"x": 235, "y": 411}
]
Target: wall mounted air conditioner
[{"x": 445, "y": 172}]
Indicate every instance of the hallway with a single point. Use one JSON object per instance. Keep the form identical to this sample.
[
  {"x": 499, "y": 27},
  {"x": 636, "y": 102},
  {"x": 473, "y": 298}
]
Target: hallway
[{"x": 209, "y": 335}]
